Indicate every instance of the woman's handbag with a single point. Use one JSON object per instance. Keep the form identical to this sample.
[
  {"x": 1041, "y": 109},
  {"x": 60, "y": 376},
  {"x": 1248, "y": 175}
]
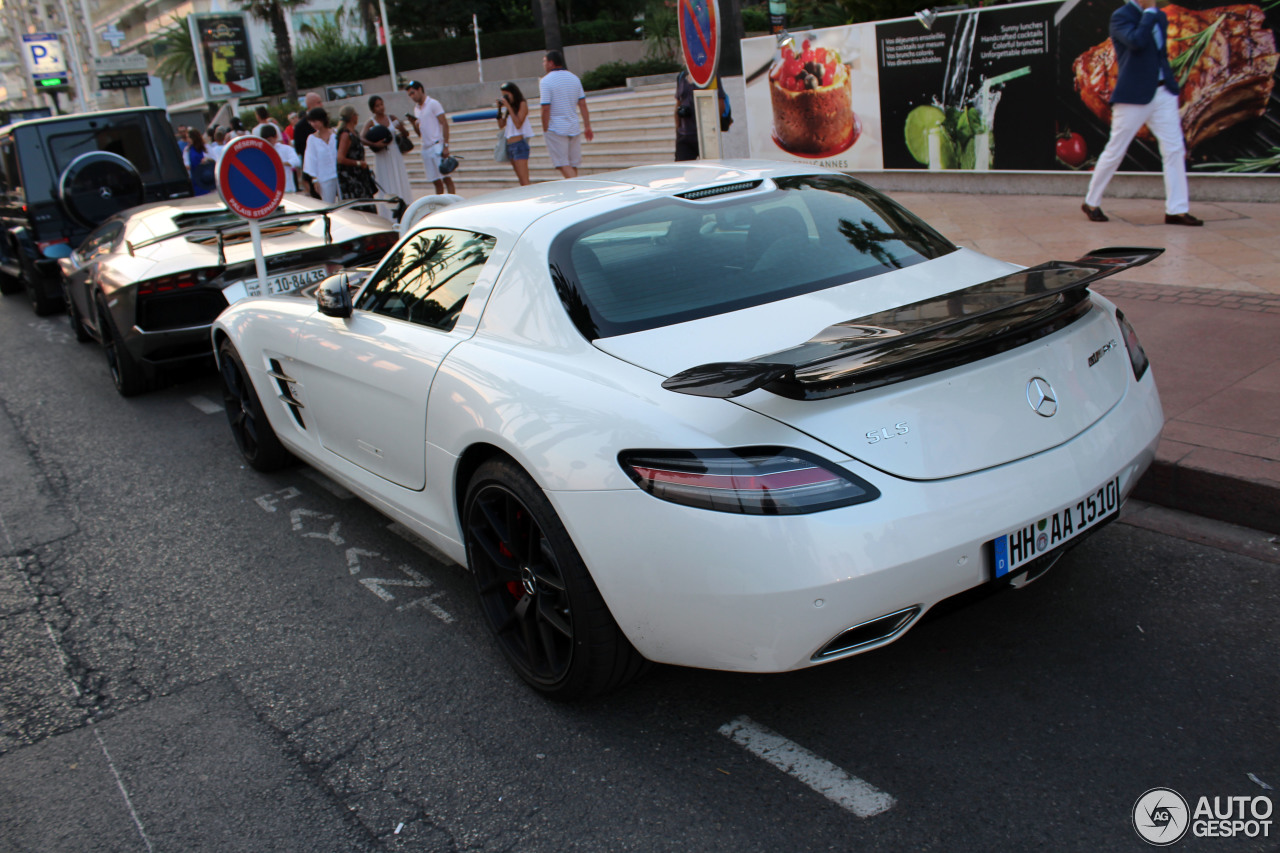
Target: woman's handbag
[
  {"x": 500, "y": 148},
  {"x": 404, "y": 143}
]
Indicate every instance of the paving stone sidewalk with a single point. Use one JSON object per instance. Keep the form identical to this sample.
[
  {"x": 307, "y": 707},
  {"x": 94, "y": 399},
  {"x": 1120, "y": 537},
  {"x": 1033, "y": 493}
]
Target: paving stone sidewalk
[{"x": 1207, "y": 311}]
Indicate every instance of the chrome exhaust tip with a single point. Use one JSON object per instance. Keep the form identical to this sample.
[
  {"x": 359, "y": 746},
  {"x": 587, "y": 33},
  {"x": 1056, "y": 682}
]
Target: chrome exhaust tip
[{"x": 871, "y": 633}]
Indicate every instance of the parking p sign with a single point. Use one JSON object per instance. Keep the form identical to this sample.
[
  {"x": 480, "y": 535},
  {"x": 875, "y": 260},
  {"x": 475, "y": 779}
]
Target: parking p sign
[{"x": 42, "y": 53}]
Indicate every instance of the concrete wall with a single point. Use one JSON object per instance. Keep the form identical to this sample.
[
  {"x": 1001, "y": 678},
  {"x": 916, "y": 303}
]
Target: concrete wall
[{"x": 457, "y": 86}]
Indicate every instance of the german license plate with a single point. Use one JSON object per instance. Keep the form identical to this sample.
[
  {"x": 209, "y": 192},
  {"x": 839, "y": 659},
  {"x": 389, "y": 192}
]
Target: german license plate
[
  {"x": 1019, "y": 547},
  {"x": 286, "y": 282}
]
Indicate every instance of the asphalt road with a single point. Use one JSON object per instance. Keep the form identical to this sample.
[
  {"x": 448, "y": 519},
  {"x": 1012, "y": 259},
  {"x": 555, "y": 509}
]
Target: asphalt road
[{"x": 195, "y": 656}]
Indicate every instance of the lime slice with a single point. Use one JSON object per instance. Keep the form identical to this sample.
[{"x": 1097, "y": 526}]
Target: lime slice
[{"x": 919, "y": 121}]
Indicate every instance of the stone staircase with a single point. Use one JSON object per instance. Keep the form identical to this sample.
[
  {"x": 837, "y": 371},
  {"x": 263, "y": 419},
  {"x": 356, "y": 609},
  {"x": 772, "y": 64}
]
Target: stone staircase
[{"x": 632, "y": 127}]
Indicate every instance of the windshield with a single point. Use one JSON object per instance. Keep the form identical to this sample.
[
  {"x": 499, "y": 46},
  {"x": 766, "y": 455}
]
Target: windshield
[{"x": 673, "y": 260}]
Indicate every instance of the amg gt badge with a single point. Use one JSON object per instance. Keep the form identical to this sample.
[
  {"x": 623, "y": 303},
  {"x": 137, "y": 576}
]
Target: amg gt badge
[{"x": 1042, "y": 398}]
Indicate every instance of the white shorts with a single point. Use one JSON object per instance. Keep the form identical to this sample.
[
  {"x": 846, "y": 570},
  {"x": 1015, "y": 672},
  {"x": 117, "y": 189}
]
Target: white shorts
[
  {"x": 564, "y": 150},
  {"x": 431, "y": 161}
]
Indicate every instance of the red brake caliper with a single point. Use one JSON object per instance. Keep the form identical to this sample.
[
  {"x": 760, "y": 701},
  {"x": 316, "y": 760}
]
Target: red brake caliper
[{"x": 514, "y": 587}]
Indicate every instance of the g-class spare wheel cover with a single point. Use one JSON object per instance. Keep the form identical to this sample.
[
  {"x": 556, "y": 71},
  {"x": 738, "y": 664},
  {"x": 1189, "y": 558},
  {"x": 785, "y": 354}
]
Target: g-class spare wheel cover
[{"x": 98, "y": 184}]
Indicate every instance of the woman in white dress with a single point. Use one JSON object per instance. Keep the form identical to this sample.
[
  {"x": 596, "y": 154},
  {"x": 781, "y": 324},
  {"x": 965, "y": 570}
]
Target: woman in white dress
[
  {"x": 321, "y": 158},
  {"x": 388, "y": 162}
]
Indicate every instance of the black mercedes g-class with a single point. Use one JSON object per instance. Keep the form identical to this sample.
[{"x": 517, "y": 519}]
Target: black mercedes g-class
[{"x": 60, "y": 177}]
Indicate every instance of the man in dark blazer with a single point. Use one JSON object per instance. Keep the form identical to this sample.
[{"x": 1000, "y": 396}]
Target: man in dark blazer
[{"x": 1146, "y": 93}]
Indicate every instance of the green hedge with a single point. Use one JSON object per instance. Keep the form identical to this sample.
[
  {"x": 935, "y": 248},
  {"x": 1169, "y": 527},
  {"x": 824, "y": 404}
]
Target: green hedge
[
  {"x": 318, "y": 67},
  {"x": 426, "y": 54},
  {"x": 755, "y": 19},
  {"x": 613, "y": 74},
  {"x": 322, "y": 66}
]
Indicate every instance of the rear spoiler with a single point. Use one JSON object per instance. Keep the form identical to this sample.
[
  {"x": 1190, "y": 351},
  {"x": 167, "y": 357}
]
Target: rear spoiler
[
  {"x": 924, "y": 337},
  {"x": 275, "y": 219}
]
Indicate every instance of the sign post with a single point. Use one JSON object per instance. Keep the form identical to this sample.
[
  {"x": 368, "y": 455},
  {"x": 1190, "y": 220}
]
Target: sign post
[{"x": 251, "y": 182}]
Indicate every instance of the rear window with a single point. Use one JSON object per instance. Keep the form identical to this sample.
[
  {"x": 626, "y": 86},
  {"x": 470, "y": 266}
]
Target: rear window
[
  {"x": 128, "y": 139},
  {"x": 673, "y": 260}
]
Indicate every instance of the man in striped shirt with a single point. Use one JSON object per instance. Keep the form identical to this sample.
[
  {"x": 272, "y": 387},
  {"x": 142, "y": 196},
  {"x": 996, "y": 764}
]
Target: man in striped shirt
[{"x": 560, "y": 91}]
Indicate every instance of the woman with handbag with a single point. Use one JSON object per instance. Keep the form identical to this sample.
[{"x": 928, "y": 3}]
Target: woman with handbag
[
  {"x": 513, "y": 119},
  {"x": 355, "y": 178},
  {"x": 386, "y": 138}
]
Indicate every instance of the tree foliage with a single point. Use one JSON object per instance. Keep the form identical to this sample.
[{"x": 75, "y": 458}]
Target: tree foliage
[
  {"x": 272, "y": 12},
  {"x": 176, "y": 52}
]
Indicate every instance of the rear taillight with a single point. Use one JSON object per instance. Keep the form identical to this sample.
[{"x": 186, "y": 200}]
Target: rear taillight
[
  {"x": 1137, "y": 355},
  {"x": 181, "y": 281},
  {"x": 378, "y": 243},
  {"x": 753, "y": 480}
]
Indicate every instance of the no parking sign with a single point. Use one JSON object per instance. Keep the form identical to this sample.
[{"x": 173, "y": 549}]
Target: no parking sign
[
  {"x": 251, "y": 177},
  {"x": 251, "y": 182},
  {"x": 700, "y": 39}
]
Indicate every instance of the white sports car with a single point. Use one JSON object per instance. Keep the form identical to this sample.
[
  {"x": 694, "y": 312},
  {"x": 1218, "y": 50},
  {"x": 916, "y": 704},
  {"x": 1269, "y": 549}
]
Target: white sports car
[{"x": 745, "y": 416}]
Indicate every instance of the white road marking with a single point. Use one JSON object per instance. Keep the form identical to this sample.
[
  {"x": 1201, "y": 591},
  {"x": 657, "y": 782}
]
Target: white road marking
[
  {"x": 416, "y": 580},
  {"x": 848, "y": 792},
  {"x": 268, "y": 502},
  {"x": 124, "y": 792},
  {"x": 421, "y": 544},
  {"x": 340, "y": 492},
  {"x": 428, "y": 603},
  {"x": 205, "y": 405},
  {"x": 353, "y": 558}
]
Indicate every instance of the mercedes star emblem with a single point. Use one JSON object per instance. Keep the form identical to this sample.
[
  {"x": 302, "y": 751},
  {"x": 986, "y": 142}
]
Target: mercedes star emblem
[{"x": 1042, "y": 398}]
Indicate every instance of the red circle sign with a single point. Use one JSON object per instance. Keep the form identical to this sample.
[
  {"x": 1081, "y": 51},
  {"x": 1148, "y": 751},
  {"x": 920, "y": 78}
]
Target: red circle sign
[
  {"x": 699, "y": 39},
  {"x": 251, "y": 177}
]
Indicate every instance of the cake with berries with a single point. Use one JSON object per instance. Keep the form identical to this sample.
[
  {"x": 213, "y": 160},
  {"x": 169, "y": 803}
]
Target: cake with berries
[{"x": 812, "y": 100}]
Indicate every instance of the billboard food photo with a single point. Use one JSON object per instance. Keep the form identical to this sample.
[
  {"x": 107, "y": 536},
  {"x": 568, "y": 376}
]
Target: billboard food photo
[{"x": 1019, "y": 87}]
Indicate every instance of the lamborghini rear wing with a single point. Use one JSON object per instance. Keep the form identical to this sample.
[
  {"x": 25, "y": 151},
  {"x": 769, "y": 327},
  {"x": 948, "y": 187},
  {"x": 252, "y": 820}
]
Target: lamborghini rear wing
[
  {"x": 219, "y": 231},
  {"x": 921, "y": 338}
]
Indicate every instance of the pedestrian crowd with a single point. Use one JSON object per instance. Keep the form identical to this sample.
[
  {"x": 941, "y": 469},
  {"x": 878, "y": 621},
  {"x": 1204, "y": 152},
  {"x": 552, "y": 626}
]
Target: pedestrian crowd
[{"x": 363, "y": 156}]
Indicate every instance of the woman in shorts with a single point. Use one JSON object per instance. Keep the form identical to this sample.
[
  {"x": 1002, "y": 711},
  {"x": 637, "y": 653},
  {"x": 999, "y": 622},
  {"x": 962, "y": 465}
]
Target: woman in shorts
[{"x": 513, "y": 118}]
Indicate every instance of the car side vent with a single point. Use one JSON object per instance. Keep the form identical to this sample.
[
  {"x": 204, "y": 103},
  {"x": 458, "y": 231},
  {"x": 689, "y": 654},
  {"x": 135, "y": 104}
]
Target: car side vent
[
  {"x": 720, "y": 190},
  {"x": 284, "y": 383}
]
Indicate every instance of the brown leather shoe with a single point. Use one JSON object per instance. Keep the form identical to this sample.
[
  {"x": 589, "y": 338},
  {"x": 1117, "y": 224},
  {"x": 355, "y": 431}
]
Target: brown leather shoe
[
  {"x": 1181, "y": 219},
  {"x": 1095, "y": 214}
]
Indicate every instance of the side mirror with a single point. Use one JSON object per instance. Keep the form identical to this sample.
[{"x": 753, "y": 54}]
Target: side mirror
[{"x": 333, "y": 296}]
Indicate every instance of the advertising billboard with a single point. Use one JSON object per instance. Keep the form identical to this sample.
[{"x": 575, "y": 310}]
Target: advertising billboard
[
  {"x": 1022, "y": 87},
  {"x": 224, "y": 56}
]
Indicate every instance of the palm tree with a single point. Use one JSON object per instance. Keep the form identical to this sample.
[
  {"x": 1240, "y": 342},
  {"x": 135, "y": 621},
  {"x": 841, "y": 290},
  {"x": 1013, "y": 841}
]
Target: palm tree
[
  {"x": 176, "y": 53},
  {"x": 272, "y": 12}
]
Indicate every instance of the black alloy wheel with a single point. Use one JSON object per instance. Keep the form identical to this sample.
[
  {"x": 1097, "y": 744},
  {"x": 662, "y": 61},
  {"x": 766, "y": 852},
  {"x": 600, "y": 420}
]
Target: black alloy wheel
[
  {"x": 249, "y": 425},
  {"x": 129, "y": 377},
  {"x": 536, "y": 593}
]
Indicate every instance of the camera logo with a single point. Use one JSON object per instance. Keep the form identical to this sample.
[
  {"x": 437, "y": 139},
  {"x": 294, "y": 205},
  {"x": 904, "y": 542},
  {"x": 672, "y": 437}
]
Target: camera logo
[{"x": 1160, "y": 816}]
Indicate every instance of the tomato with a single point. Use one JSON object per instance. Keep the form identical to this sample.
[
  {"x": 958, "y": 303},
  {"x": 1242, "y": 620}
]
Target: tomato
[{"x": 1072, "y": 150}]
